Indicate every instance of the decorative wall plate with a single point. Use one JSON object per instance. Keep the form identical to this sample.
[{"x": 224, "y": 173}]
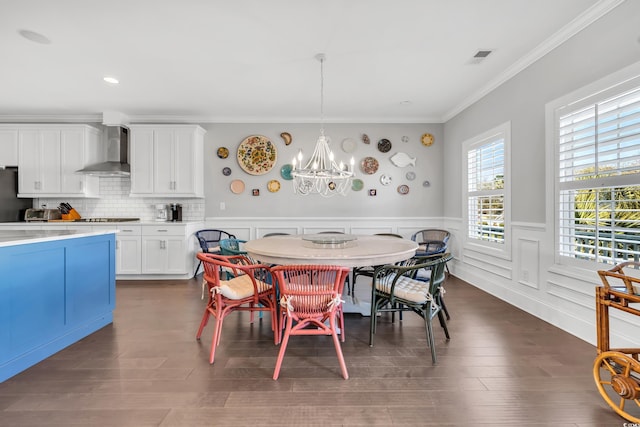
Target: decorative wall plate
[
  {"x": 403, "y": 189},
  {"x": 369, "y": 165},
  {"x": 402, "y": 160},
  {"x": 237, "y": 186},
  {"x": 285, "y": 172},
  {"x": 257, "y": 155},
  {"x": 384, "y": 145},
  {"x": 286, "y": 136},
  {"x": 385, "y": 180},
  {"x": 427, "y": 139},
  {"x": 348, "y": 145},
  {"x": 411, "y": 175},
  {"x": 226, "y": 171},
  {"x": 365, "y": 138},
  {"x": 273, "y": 185},
  {"x": 357, "y": 184},
  {"x": 223, "y": 152}
]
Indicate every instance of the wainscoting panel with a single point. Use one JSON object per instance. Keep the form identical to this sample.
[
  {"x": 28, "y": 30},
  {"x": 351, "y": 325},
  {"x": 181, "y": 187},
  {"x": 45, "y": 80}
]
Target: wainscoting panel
[
  {"x": 261, "y": 231},
  {"x": 571, "y": 295},
  {"x": 529, "y": 262},
  {"x": 371, "y": 230},
  {"x": 253, "y": 228},
  {"x": 488, "y": 263}
]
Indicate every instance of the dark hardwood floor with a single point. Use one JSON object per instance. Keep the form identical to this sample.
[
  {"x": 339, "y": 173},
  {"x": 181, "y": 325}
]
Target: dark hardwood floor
[{"x": 501, "y": 367}]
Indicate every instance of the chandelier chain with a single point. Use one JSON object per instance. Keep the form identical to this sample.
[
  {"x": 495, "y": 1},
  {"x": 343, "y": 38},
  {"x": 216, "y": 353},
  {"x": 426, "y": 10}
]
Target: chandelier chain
[{"x": 322, "y": 94}]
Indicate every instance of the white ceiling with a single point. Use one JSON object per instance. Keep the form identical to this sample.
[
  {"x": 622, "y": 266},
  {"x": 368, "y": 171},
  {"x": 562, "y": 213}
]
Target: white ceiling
[{"x": 253, "y": 60}]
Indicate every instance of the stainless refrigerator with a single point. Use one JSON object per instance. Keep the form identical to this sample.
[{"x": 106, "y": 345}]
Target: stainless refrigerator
[{"x": 11, "y": 207}]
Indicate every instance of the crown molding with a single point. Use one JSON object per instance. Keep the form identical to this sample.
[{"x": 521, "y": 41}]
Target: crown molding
[
  {"x": 305, "y": 120},
  {"x": 51, "y": 118},
  {"x": 581, "y": 22},
  {"x": 175, "y": 119}
]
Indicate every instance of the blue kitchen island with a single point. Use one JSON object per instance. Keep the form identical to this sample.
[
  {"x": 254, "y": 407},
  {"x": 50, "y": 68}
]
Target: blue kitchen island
[{"x": 56, "y": 287}]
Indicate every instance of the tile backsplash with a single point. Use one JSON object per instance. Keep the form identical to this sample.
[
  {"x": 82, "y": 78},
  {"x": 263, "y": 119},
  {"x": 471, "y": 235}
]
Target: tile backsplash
[{"x": 114, "y": 201}]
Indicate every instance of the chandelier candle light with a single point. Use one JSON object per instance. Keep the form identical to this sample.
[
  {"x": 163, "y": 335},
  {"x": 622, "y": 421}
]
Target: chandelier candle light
[{"x": 321, "y": 175}]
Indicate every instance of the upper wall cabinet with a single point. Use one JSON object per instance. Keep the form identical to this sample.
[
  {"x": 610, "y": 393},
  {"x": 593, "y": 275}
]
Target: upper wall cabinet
[
  {"x": 167, "y": 160},
  {"x": 49, "y": 155},
  {"x": 8, "y": 147}
]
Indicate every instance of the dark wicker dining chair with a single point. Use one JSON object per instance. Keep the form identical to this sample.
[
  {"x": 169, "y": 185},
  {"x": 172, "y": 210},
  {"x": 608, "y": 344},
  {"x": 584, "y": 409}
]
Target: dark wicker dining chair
[
  {"x": 366, "y": 271},
  {"x": 395, "y": 289},
  {"x": 209, "y": 240},
  {"x": 433, "y": 241}
]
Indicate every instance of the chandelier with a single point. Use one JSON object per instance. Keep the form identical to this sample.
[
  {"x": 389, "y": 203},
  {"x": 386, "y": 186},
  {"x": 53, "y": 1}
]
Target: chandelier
[{"x": 321, "y": 175}]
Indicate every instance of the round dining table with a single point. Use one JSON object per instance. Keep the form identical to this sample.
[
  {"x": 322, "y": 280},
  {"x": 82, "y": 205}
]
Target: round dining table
[{"x": 346, "y": 250}]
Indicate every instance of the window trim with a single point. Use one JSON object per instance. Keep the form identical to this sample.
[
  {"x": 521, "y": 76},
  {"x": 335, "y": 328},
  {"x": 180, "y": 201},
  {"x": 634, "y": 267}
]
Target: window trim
[
  {"x": 499, "y": 250},
  {"x": 599, "y": 90}
]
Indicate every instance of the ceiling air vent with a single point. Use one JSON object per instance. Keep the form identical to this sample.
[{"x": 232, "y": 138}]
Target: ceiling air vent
[{"x": 480, "y": 56}]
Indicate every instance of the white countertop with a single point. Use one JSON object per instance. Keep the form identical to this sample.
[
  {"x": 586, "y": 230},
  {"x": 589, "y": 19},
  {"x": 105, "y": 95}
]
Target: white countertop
[
  {"x": 23, "y": 237},
  {"x": 84, "y": 223}
]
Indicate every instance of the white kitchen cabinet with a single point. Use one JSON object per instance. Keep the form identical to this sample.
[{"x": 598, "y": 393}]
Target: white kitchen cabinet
[
  {"x": 141, "y": 160},
  {"x": 8, "y": 147},
  {"x": 49, "y": 155},
  {"x": 163, "y": 250},
  {"x": 128, "y": 247},
  {"x": 38, "y": 162},
  {"x": 79, "y": 147},
  {"x": 128, "y": 250},
  {"x": 167, "y": 160}
]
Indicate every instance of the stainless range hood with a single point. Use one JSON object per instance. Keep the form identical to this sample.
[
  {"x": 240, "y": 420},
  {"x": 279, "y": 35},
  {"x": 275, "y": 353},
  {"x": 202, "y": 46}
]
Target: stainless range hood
[{"x": 117, "y": 155}]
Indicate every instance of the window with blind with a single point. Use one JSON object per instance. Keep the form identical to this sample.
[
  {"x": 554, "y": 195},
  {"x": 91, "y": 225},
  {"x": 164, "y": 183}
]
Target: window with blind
[
  {"x": 598, "y": 175},
  {"x": 487, "y": 183}
]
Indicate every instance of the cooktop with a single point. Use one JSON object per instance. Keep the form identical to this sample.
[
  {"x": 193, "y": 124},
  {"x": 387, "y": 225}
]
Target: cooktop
[{"x": 107, "y": 219}]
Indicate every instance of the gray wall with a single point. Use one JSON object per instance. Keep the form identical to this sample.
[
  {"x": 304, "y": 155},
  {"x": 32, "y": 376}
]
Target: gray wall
[
  {"x": 421, "y": 201},
  {"x": 605, "y": 46},
  {"x": 530, "y": 276}
]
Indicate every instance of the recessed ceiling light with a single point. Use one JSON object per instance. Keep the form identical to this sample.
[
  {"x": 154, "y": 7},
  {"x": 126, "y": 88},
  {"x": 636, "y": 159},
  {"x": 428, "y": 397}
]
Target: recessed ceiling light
[
  {"x": 34, "y": 37},
  {"x": 111, "y": 80}
]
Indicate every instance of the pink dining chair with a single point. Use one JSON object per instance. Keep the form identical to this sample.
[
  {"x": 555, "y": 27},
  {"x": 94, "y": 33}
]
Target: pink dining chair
[
  {"x": 310, "y": 297},
  {"x": 248, "y": 288}
]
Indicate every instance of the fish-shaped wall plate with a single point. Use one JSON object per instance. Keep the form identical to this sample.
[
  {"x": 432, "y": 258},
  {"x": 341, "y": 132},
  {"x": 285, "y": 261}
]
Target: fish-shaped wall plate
[{"x": 402, "y": 160}]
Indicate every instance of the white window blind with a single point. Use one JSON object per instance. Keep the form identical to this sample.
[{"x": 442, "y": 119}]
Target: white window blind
[
  {"x": 598, "y": 177},
  {"x": 485, "y": 190}
]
